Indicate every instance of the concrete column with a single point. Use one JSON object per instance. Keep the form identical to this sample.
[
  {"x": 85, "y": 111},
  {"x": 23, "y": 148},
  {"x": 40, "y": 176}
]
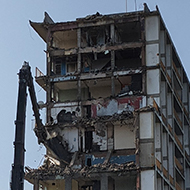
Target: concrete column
[
  {"x": 112, "y": 33},
  {"x": 104, "y": 182},
  {"x": 79, "y": 90},
  {"x": 112, "y": 78},
  {"x": 79, "y": 37},
  {"x": 68, "y": 183},
  {"x": 36, "y": 184},
  {"x": 113, "y": 86},
  {"x": 79, "y": 45},
  {"x": 112, "y": 60},
  {"x": 48, "y": 87},
  {"x": 79, "y": 63}
]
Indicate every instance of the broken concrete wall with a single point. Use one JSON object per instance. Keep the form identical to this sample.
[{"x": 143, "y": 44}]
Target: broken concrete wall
[
  {"x": 70, "y": 107},
  {"x": 96, "y": 136},
  {"x": 99, "y": 107},
  {"x": 71, "y": 137},
  {"x": 100, "y": 137},
  {"x": 96, "y": 139},
  {"x": 79, "y": 139},
  {"x": 104, "y": 107}
]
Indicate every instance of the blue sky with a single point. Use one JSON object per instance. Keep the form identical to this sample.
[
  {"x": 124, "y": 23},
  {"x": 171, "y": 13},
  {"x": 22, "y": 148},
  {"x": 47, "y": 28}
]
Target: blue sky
[{"x": 20, "y": 43}]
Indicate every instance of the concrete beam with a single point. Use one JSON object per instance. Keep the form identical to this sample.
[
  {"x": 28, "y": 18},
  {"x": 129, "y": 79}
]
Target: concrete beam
[{"x": 111, "y": 48}]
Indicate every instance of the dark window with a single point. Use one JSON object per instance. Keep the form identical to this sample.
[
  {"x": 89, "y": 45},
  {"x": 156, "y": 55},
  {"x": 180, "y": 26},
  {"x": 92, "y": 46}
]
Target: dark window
[
  {"x": 88, "y": 141},
  {"x": 58, "y": 68},
  {"x": 87, "y": 111},
  {"x": 89, "y": 162}
]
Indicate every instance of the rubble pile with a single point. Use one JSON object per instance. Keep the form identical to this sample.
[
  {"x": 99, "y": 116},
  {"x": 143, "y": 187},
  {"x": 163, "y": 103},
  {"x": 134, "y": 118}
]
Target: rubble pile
[
  {"x": 98, "y": 168},
  {"x": 54, "y": 170},
  {"x": 84, "y": 121}
]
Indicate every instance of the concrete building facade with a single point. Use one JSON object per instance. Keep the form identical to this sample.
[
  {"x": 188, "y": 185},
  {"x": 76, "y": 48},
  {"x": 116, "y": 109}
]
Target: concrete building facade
[{"x": 117, "y": 100}]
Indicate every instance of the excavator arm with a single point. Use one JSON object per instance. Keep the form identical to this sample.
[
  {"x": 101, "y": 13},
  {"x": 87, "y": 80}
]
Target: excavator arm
[
  {"x": 17, "y": 181},
  {"x": 52, "y": 144}
]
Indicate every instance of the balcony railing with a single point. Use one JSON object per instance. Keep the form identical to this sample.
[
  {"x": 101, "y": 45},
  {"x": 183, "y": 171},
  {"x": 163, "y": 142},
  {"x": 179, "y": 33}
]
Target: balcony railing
[
  {"x": 179, "y": 165},
  {"x": 178, "y": 119},
  {"x": 171, "y": 180},
  {"x": 177, "y": 186},
  {"x": 165, "y": 172},
  {"x": 39, "y": 73},
  {"x": 176, "y": 71},
  {"x": 178, "y": 142},
  {"x": 158, "y": 164}
]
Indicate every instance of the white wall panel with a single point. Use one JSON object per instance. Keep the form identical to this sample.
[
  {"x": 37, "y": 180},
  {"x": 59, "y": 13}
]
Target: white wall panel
[
  {"x": 152, "y": 28},
  {"x": 152, "y": 54},
  {"x": 153, "y": 78},
  {"x": 70, "y": 135},
  {"x": 124, "y": 137},
  {"x": 146, "y": 125},
  {"x": 147, "y": 180}
]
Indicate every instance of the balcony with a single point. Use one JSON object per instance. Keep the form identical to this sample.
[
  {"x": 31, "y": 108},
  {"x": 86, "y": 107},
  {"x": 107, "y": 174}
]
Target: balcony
[{"x": 40, "y": 78}]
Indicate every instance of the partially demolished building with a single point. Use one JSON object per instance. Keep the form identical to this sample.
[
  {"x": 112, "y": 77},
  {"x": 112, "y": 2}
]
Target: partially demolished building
[{"x": 117, "y": 105}]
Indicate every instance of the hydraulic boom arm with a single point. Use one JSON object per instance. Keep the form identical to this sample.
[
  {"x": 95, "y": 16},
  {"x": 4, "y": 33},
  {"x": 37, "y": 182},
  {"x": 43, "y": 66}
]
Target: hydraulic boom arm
[
  {"x": 25, "y": 80},
  {"x": 53, "y": 144}
]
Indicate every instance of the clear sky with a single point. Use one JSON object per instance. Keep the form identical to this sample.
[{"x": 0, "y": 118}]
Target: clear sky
[{"x": 20, "y": 43}]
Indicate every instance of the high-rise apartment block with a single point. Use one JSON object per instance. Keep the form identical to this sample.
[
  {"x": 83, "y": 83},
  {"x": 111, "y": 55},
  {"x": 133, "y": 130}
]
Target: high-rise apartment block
[{"x": 117, "y": 100}]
